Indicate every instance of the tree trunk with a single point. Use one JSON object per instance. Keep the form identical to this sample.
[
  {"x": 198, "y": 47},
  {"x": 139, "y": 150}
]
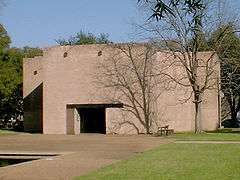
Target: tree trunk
[
  {"x": 233, "y": 110},
  {"x": 147, "y": 127},
  {"x": 234, "y": 117},
  {"x": 197, "y": 118}
]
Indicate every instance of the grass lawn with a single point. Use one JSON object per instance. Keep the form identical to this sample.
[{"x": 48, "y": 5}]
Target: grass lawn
[
  {"x": 206, "y": 137},
  {"x": 6, "y": 132},
  {"x": 176, "y": 161}
]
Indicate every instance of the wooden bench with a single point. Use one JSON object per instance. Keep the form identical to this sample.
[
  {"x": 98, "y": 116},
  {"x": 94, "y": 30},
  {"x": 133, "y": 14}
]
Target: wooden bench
[{"x": 164, "y": 130}]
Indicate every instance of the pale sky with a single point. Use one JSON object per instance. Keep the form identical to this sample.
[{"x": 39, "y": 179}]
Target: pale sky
[{"x": 38, "y": 23}]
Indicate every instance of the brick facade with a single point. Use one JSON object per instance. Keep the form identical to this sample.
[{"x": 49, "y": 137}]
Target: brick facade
[{"x": 64, "y": 76}]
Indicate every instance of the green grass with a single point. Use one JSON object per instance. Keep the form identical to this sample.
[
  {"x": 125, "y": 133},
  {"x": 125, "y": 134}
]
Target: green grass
[
  {"x": 176, "y": 161},
  {"x": 6, "y": 132},
  {"x": 228, "y": 130},
  {"x": 206, "y": 137}
]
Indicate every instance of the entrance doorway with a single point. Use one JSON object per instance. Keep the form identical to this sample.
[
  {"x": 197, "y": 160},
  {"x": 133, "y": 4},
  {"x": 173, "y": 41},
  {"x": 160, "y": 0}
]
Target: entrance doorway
[
  {"x": 92, "y": 120},
  {"x": 87, "y": 118}
]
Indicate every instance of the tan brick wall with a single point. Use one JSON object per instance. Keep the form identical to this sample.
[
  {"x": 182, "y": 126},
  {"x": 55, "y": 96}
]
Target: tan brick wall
[
  {"x": 71, "y": 80},
  {"x": 172, "y": 107},
  {"x": 67, "y": 81},
  {"x": 31, "y": 81}
]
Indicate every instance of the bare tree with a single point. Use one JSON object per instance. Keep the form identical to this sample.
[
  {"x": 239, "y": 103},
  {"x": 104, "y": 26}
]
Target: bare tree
[
  {"x": 130, "y": 71},
  {"x": 182, "y": 32}
]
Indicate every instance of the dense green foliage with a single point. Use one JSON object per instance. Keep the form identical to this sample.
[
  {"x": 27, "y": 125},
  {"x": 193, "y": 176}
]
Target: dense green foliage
[
  {"x": 10, "y": 77},
  {"x": 29, "y": 52},
  {"x": 177, "y": 161},
  {"x": 230, "y": 82},
  {"x": 226, "y": 42},
  {"x": 4, "y": 38},
  {"x": 11, "y": 101},
  {"x": 192, "y": 8},
  {"x": 11, "y": 84},
  {"x": 84, "y": 38}
]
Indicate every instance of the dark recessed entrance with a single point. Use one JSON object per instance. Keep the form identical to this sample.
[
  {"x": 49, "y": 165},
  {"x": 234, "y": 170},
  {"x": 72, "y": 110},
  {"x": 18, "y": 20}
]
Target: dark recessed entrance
[
  {"x": 92, "y": 120},
  {"x": 92, "y": 117}
]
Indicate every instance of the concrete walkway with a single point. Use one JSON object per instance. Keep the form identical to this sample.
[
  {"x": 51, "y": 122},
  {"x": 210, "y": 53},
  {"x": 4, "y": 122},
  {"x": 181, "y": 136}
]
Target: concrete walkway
[{"x": 78, "y": 155}]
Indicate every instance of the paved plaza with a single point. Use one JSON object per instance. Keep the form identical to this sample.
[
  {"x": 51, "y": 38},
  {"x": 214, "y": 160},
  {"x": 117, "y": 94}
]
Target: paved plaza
[{"x": 78, "y": 154}]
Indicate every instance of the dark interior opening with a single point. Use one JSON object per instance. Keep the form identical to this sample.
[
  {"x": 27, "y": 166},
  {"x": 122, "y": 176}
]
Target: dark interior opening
[{"x": 92, "y": 120}]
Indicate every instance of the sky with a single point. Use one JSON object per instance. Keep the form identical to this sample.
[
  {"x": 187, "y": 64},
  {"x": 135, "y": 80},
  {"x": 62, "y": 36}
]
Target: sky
[{"x": 38, "y": 23}]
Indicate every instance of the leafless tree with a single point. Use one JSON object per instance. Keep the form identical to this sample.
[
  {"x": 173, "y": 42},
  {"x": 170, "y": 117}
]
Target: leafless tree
[
  {"x": 182, "y": 32},
  {"x": 130, "y": 71}
]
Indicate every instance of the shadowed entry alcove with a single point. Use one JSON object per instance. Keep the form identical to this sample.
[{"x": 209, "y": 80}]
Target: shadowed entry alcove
[
  {"x": 92, "y": 120},
  {"x": 90, "y": 117}
]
